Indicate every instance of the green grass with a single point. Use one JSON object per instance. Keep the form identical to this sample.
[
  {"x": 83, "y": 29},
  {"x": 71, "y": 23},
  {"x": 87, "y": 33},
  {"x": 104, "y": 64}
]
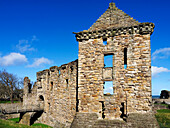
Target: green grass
[
  {"x": 3, "y": 102},
  {"x": 164, "y": 111},
  {"x": 11, "y": 123},
  {"x": 16, "y": 120},
  {"x": 162, "y": 104},
  {"x": 41, "y": 125},
  {"x": 163, "y": 118}
]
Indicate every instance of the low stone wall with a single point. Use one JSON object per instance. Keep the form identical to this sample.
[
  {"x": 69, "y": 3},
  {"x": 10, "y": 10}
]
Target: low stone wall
[
  {"x": 2, "y": 116},
  {"x": 158, "y": 107},
  {"x": 9, "y": 116},
  {"x": 134, "y": 120},
  {"x": 10, "y": 106},
  {"x": 137, "y": 120},
  {"x": 167, "y": 101}
]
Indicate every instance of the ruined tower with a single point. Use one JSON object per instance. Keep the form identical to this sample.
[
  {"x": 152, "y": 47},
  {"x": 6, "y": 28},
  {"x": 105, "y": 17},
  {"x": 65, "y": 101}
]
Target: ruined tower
[
  {"x": 127, "y": 41},
  {"x": 90, "y": 92}
]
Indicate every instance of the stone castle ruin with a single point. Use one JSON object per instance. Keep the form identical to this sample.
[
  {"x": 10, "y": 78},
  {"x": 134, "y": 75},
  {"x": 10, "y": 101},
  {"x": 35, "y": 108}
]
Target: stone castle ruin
[{"x": 72, "y": 95}]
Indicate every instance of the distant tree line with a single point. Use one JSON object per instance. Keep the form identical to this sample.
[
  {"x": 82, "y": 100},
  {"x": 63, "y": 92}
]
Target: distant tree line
[{"x": 11, "y": 86}]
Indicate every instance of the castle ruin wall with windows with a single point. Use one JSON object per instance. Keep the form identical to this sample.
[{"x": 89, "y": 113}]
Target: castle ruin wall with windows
[{"x": 74, "y": 92}]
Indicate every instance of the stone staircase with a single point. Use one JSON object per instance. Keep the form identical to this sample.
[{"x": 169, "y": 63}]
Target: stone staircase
[{"x": 134, "y": 120}]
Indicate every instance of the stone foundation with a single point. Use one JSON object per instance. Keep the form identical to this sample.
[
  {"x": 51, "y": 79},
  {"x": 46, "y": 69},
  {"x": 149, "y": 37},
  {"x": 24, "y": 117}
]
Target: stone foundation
[{"x": 134, "y": 120}]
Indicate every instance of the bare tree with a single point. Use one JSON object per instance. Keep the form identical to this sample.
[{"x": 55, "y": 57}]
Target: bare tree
[{"x": 9, "y": 83}]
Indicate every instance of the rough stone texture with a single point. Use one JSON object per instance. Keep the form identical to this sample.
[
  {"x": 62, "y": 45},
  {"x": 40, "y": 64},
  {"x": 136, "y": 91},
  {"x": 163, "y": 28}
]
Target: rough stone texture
[
  {"x": 2, "y": 116},
  {"x": 142, "y": 28},
  {"x": 85, "y": 120},
  {"x": 166, "y": 101},
  {"x": 134, "y": 120},
  {"x": 25, "y": 119},
  {"x": 113, "y": 18},
  {"x": 132, "y": 85},
  {"x": 10, "y": 107},
  {"x": 55, "y": 89}
]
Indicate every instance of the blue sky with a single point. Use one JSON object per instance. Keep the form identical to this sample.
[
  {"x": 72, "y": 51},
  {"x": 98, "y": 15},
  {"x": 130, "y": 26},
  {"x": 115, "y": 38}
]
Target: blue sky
[{"x": 37, "y": 34}]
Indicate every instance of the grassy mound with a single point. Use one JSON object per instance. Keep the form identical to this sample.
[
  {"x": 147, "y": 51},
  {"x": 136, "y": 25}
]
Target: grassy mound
[
  {"x": 16, "y": 120},
  {"x": 11, "y": 123},
  {"x": 163, "y": 118}
]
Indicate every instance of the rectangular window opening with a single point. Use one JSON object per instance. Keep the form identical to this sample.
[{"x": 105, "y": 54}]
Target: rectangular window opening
[
  {"x": 67, "y": 83},
  {"x": 105, "y": 41},
  {"x": 108, "y": 60},
  {"x": 125, "y": 58},
  {"x": 51, "y": 86},
  {"x": 29, "y": 87},
  {"x": 108, "y": 87},
  {"x": 103, "y": 109}
]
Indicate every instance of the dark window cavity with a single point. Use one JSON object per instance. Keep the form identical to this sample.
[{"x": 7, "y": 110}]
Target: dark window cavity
[
  {"x": 125, "y": 58},
  {"x": 67, "y": 83},
  {"x": 105, "y": 41},
  {"x": 51, "y": 86},
  {"x": 41, "y": 98}
]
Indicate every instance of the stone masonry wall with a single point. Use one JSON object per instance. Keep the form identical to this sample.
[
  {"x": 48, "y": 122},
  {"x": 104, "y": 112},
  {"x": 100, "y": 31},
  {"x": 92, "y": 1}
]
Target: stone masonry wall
[
  {"x": 56, "y": 90},
  {"x": 132, "y": 86},
  {"x": 135, "y": 120},
  {"x": 30, "y": 95}
]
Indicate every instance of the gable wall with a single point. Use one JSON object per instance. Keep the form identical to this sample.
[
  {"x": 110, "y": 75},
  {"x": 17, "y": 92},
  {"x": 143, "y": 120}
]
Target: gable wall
[{"x": 132, "y": 86}]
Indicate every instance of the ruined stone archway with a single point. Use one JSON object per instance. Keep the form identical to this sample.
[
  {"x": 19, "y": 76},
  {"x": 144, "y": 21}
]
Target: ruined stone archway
[
  {"x": 41, "y": 101},
  {"x": 35, "y": 116}
]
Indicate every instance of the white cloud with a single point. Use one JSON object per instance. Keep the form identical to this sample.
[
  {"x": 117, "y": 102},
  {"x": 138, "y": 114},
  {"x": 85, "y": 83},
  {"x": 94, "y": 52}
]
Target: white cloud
[
  {"x": 25, "y": 45},
  {"x": 34, "y": 38},
  {"x": 157, "y": 70},
  {"x": 40, "y": 61},
  {"x": 161, "y": 53},
  {"x": 13, "y": 59}
]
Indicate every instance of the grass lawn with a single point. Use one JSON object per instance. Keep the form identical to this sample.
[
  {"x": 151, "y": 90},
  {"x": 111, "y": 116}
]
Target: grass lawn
[
  {"x": 162, "y": 104},
  {"x": 2, "y": 102},
  {"x": 11, "y": 123},
  {"x": 163, "y": 118},
  {"x": 16, "y": 120}
]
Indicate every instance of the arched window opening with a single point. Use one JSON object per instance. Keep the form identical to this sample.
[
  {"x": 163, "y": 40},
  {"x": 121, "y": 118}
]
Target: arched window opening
[
  {"x": 41, "y": 98},
  {"x": 125, "y": 58}
]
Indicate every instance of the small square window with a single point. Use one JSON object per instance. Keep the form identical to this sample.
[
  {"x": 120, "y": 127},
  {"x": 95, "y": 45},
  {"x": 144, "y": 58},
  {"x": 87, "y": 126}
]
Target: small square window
[{"x": 108, "y": 87}]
